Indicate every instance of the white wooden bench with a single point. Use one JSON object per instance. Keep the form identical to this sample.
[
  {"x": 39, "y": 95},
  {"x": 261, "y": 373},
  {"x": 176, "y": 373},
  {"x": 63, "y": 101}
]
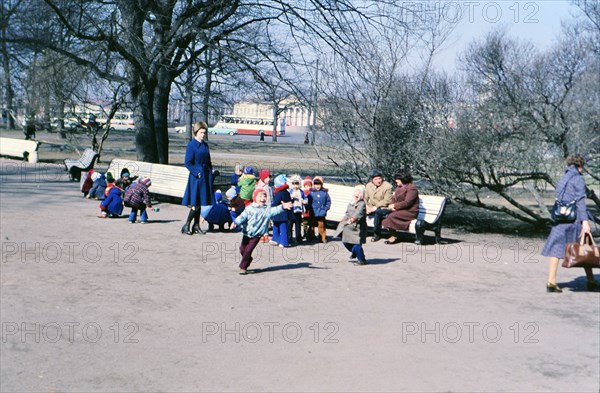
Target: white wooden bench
[
  {"x": 21, "y": 148},
  {"x": 82, "y": 164},
  {"x": 168, "y": 180},
  {"x": 431, "y": 210}
]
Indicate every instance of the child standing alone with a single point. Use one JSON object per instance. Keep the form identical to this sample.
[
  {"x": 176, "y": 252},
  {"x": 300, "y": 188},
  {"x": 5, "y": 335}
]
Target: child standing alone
[{"x": 255, "y": 222}]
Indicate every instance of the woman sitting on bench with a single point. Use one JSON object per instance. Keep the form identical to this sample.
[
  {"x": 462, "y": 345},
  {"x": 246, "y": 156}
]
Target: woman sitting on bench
[{"x": 404, "y": 206}]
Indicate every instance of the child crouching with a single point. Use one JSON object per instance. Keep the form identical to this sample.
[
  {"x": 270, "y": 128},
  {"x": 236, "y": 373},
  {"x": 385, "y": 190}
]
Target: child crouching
[
  {"x": 255, "y": 221},
  {"x": 112, "y": 206},
  {"x": 138, "y": 198}
]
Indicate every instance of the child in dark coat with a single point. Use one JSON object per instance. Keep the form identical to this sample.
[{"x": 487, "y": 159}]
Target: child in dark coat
[
  {"x": 321, "y": 203},
  {"x": 218, "y": 213},
  {"x": 281, "y": 221},
  {"x": 138, "y": 198},
  {"x": 112, "y": 206},
  {"x": 98, "y": 187}
]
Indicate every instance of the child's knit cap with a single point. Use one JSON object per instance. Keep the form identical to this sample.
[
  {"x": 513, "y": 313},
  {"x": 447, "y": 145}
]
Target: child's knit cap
[
  {"x": 280, "y": 180},
  {"x": 231, "y": 193},
  {"x": 146, "y": 181},
  {"x": 257, "y": 191},
  {"x": 248, "y": 170}
]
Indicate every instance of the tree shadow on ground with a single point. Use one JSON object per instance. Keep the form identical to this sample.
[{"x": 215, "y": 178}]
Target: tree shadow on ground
[{"x": 300, "y": 265}]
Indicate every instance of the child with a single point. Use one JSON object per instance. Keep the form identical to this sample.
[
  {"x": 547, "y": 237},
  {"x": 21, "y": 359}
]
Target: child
[
  {"x": 112, "y": 206},
  {"x": 236, "y": 204},
  {"x": 138, "y": 198},
  {"x": 110, "y": 183},
  {"x": 218, "y": 214},
  {"x": 299, "y": 201},
  {"x": 307, "y": 215},
  {"x": 255, "y": 221},
  {"x": 281, "y": 221},
  {"x": 321, "y": 203},
  {"x": 98, "y": 187},
  {"x": 247, "y": 183},
  {"x": 237, "y": 172},
  {"x": 87, "y": 183},
  {"x": 127, "y": 178},
  {"x": 353, "y": 227},
  {"x": 264, "y": 178}
]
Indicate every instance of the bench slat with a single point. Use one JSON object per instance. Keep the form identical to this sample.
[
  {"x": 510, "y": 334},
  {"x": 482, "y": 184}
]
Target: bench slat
[{"x": 12, "y": 147}]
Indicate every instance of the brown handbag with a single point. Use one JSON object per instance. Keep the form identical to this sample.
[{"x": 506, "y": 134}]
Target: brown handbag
[{"x": 583, "y": 254}]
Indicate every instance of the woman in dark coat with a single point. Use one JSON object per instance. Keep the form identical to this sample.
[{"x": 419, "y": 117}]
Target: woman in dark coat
[
  {"x": 198, "y": 191},
  {"x": 404, "y": 206},
  {"x": 570, "y": 187}
]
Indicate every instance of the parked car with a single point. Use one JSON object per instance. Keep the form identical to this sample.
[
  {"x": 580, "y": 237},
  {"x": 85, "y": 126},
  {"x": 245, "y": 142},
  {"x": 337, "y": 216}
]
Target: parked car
[{"x": 222, "y": 130}]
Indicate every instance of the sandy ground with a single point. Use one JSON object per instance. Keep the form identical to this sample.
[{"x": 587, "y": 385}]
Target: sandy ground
[{"x": 90, "y": 305}]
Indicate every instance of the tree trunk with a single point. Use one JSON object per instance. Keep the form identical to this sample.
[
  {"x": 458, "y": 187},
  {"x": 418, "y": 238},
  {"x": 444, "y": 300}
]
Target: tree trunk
[
  {"x": 8, "y": 85},
  {"x": 145, "y": 136},
  {"x": 161, "y": 107},
  {"x": 189, "y": 104}
]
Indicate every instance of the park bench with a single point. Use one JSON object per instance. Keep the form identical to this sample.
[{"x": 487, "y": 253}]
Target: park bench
[
  {"x": 167, "y": 180},
  {"x": 21, "y": 148},
  {"x": 82, "y": 164},
  {"x": 431, "y": 210}
]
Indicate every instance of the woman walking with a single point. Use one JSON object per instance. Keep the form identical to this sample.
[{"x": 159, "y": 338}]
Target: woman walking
[
  {"x": 570, "y": 187},
  {"x": 198, "y": 191}
]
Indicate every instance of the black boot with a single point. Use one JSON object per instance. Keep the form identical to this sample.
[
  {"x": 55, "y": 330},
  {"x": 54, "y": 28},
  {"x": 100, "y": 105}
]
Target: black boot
[
  {"x": 185, "y": 229},
  {"x": 196, "y": 227}
]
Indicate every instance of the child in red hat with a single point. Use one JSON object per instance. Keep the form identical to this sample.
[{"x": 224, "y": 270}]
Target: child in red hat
[{"x": 255, "y": 223}]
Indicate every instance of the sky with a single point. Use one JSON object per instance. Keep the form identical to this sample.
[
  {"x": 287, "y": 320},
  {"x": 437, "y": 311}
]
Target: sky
[{"x": 536, "y": 21}]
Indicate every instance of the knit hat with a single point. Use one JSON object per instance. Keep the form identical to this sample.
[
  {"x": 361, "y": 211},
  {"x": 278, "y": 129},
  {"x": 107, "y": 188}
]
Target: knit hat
[
  {"x": 257, "y": 191},
  {"x": 294, "y": 179},
  {"x": 124, "y": 172},
  {"x": 231, "y": 193},
  {"x": 262, "y": 175},
  {"x": 218, "y": 196},
  {"x": 318, "y": 180},
  {"x": 280, "y": 180},
  {"x": 146, "y": 181},
  {"x": 109, "y": 177},
  {"x": 248, "y": 170},
  {"x": 96, "y": 176},
  {"x": 307, "y": 181}
]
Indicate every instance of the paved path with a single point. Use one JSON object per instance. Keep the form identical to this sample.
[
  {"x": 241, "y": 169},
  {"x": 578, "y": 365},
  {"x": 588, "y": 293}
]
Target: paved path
[{"x": 102, "y": 305}]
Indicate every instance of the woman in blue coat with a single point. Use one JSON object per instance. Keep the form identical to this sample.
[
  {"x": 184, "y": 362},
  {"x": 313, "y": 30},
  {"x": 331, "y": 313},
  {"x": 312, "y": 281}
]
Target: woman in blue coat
[
  {"x": 198, "y": 191},
  {"x": 570, "y": 187}
]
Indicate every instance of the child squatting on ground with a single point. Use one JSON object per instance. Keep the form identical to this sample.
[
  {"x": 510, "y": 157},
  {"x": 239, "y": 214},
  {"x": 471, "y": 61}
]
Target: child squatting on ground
[
  {"x": 137, "y": 198},
  {"x": 255, "y": 222}
]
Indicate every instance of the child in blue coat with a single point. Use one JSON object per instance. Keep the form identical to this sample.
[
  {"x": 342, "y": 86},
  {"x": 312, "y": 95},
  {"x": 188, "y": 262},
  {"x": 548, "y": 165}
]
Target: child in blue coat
[
  {"x": 321, "y": 203},
  {"x": 112, "y": 206},
  {"x": 218, "y": 213}
]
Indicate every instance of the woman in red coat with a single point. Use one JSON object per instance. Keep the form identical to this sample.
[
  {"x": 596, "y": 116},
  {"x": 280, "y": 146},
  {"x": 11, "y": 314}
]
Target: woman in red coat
[{"x": 404, "y": 206}]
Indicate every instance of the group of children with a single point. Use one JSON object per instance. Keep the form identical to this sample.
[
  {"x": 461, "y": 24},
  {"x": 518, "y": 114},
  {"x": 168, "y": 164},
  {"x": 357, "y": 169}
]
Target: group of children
[
  {"x": 116, "y": 193},
  {"x": 294, "y": 208}
]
